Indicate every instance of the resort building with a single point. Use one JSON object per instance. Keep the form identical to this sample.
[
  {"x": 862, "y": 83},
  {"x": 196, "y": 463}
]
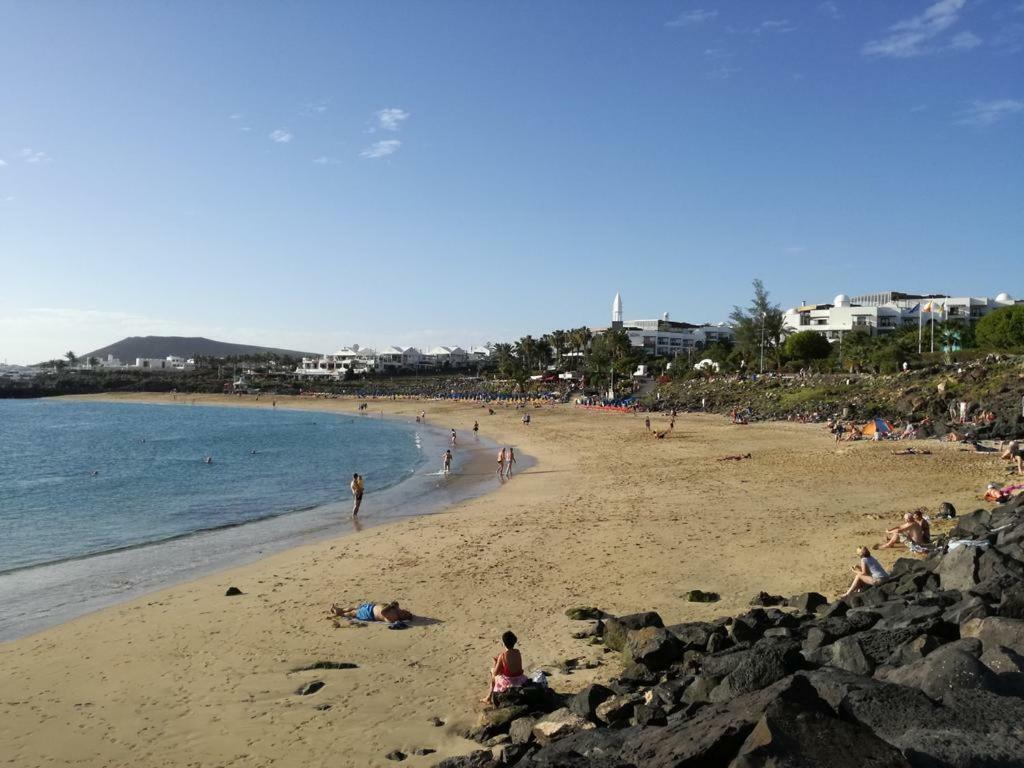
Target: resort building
[
  {"x": 881, "y": 313},
  {"x": 354, "y": 358},
  {"x": 664, "y": 337},
  {"x": 447, "y": 356},
  {"x": 396, "y": 358}
]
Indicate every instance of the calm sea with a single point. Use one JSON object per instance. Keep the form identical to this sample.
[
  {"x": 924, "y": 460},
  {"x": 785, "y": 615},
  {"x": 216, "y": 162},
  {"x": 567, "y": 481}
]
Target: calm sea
[{"x": 102, "y": 501}]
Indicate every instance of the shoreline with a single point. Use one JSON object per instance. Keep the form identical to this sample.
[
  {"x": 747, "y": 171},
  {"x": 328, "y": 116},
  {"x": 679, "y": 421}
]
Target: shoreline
[
  {"x": 134, "y": 570},
  {"x": 609, "y": 517}
]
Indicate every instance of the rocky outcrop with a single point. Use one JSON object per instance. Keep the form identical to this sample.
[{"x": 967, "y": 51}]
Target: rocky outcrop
[{"x": 924, "y": 670}]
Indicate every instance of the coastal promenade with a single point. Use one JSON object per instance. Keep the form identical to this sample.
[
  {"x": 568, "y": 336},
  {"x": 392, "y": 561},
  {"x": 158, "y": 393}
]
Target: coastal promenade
[{"x": 607, "y": 516}]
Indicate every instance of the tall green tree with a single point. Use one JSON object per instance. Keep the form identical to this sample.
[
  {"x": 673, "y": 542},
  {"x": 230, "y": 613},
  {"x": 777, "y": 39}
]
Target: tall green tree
[
  {"x": 806, "y": 346},
  {"x": 1001, "y": 329},
  {"x": 71, "y": 357},
  {"x": 759, "y": 323}
]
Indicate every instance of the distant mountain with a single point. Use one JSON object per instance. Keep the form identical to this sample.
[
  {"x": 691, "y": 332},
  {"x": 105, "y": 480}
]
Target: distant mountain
[{"x": 126, "y": 350}]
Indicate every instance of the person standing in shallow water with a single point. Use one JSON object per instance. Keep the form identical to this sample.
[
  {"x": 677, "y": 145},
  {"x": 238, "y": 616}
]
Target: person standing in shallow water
[
  {"x": 501, "y": 463},
  {"x": 510, "y": 459},
  {"x": 357, "y": 487},
  {"x": 447, "y": 461}
]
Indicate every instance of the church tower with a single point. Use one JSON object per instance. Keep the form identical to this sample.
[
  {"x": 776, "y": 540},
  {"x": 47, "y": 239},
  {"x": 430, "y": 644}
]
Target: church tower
[{"x": 617, "y": 311}]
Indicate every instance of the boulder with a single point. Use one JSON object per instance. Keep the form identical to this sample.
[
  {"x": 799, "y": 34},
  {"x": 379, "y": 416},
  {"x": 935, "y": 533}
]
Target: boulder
[
  {"x": 996, "y": 631},
  {"x": 585, "y": 702},
  {"x": 797, "y": 735},
  {"x": 598, "y": 748},
  {"x": 758, "y": 670},
  {"x": 649, "y": 714},
  {"x": 908, "y": 616},
  {"x": 913, "y": 650},
  {"x": 1011, "y": 604},
  {"x": 521, "y": 730},
  {"x": 396, "y": 755},
  {"x": 559, "y": 723},
  {"x": 615, "y": 629},
  {"x": 654, "y": 647},
  {"x": 763, "y": 599},
  {"x": 942, "y": 671},
  {"x": 637, "y": 675},
  {"x": 959, "y": 569},
  {"x": 582, "y": 613},
  {"x": 494, "y": 721},
  {"x": 714, "y": 735},
  {"x": 965, "y": 610},
  {"x": 807, "y": 602},
  {"x": 233, "y": 592},
  {"x": 694, "y": 635},
  {"x": 617, "y": 708},
  {"x": 847, "y": 654},
  {"x": 700, "y": 596},
  {"x": 481, "y": 758}
]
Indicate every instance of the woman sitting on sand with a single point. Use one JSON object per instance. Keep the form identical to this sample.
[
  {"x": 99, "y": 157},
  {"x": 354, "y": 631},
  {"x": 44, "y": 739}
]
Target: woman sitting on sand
[
  {"x": 924, "y": 525},
  {"x": 507, "y": 671},
  {"x": 389, "y": 612},
  {"x": 869, "y": 573}
]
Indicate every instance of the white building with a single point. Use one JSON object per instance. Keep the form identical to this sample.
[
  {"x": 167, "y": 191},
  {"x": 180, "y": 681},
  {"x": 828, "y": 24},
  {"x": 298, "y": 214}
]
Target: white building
[
  {"x": 480, "y": 354},
  {"x": 881, "y": 313},
  {"x": 451, "y": 356},
  {"x": 354, "y": 358},
  {"x": 667, "y": 338},
  {"x": 396, "y": 358}
]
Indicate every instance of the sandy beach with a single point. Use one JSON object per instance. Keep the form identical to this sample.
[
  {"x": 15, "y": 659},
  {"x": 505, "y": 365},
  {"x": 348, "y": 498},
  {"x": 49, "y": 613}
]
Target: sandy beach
[{"x": 608, "y": 516}]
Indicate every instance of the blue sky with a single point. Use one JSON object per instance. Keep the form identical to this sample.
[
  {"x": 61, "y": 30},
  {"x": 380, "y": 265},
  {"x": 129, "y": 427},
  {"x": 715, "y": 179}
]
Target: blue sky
[{"x": 315, "y": 174}]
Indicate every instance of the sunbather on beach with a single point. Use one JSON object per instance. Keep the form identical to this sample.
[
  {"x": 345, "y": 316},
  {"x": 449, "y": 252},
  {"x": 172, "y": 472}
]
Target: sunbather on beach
[
  {"x": 1012, "y": 452},
  {"x": 867, "y": 574},
  {"x": 507, "y": 671},
  {"x": 909, "y": 530},
  {"x": 912, "y": 452},
  {"x": 389, "y": 612},
  {"x": 737, "y": 457},
  {"x": 926, "y": 527}
]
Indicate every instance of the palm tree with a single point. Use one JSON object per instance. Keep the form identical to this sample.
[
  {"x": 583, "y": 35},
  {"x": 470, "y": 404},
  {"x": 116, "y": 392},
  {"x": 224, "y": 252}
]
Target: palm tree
[
  {"x": 71, "y": 357},
  {"x": 559, "y": 340}
]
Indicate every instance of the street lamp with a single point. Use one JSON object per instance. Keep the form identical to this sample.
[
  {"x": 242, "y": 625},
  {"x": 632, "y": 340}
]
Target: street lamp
[{"x": 763, "y": 316}]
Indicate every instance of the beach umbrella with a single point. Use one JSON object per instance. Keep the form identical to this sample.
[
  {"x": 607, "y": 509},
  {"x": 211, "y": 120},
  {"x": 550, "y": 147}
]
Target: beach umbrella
[{"x": 880, "y": 426}]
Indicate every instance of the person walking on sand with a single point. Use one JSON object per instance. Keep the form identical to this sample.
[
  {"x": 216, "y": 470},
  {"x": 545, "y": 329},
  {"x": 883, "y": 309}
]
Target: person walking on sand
[
  {"x": 647, "y": 423},
  {"x": 476, "y": 428},
  {"x": 501, "y": 463},
  {"x": 510, "y": 459},
  {"x": 453, "y": 437},
  {"x": 447, "y": 461},
  {"x": 357, "y": 487}
]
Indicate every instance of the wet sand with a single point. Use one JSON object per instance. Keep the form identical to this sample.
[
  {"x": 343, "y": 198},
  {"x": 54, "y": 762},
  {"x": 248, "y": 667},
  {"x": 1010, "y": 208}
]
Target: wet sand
[{"x": 609, "y": 516}]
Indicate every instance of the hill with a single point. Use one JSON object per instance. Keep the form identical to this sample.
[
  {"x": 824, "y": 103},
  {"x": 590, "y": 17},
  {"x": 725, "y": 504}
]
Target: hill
[{"x": 184, "y": 346}]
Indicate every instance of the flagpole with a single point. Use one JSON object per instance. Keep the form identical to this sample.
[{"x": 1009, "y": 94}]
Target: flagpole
[
  {"x": 932, "y": 313},
  {"x": 920, "y": 327}
]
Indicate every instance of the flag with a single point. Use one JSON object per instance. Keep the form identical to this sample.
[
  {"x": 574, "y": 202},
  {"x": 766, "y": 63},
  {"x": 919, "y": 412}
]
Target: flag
[
  {"x": 927, "y": 307},
  {"x": 915, "y": 308}
]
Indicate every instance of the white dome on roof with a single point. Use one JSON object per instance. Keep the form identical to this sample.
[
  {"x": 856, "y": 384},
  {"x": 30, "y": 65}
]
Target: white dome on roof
[
  {"x": 1004, "y": 298},
  {"x": 842, "y": 300}
]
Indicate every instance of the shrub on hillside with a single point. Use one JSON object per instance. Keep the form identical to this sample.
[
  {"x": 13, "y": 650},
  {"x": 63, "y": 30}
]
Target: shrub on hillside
[{"x": 1001, "y": 329}]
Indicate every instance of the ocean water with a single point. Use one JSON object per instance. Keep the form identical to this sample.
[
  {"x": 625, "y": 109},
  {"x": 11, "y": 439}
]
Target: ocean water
[{"x": 103, "y": 501}]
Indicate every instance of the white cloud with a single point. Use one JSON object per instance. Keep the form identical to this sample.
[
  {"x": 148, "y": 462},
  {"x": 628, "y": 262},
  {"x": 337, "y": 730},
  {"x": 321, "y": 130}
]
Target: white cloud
[
  {"x": 830, "y": 8},
  {"x": 381, "y": 149},
  {"x": 915, "y": 36},
  {"x": 775, "y": 25},
  {"x": 317, "y": 107},
  {"x": 245, "y": 128},
  {"x": 281, "y": 136},
  {"x": 990, "y": 112},
  {"x": 235, "y": 116},
  {"x": 32, "y": 156},
  {"x": 325, "y": 160},
  {"x": 391, "y": 119},
  {"x": 2, "y": 163},
  {"x": 8, "y": 199},
  {"x": 965, "y": 41},
  {"x": 689, "y": 18}
]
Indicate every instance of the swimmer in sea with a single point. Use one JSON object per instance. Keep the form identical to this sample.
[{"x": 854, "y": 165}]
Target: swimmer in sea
[{"x": 208, "y": 460}]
